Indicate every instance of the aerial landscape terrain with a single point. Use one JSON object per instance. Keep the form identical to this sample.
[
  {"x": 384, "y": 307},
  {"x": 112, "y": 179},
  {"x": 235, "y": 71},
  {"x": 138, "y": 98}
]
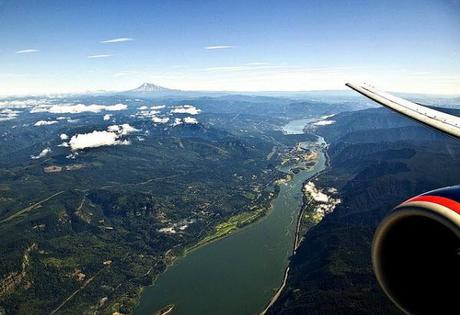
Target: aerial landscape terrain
[
  {"x": 100, "y": 193},
  {"x": 216, "y": 157}
]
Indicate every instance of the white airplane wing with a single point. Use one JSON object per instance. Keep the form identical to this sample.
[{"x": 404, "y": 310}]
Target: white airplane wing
[{"x": 443, "y": 122}]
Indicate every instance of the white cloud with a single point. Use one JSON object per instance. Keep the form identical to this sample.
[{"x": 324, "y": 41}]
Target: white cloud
[
  {"x": 167, "y": 230},
  {"x": 77, "y": 108},
  {"x": 102, "y": 138},
  {"x": 44, "y": 153},
  {"x": 107, "y": 117},
  {"x": 99, "y": 56},
  {"x": 127, "y": 129},
  {"x": 27, "y": 51},
  {"x": 157, "y": 107},
  {"x": 177, "y": 122},
  {"x": 8, "y": 114},
  {"x": 113, "y": 128},
  {"x": 64, "y": 144},
  {"x": 324, "y": 122},
  {"x": 324, "y": 203},
  {"x": 160, "y": 120},
  {"x": 190, "y": 120},
  {"x": 315, "y": 193},
  {"x": 145, "y": 113},
  {"x": 95, "y": 139},
  {"x": 72, "y": 155},
  {"x": 23, "y": 103},
  {"x": 45, "y": 123},
  {"x": 186, "y": 109},
  {"x": 218, "y": 47},
  {"x": 123, "y": 129},
  {"x": 63, "y": 136},
  {"x": 117, "y": 40}
]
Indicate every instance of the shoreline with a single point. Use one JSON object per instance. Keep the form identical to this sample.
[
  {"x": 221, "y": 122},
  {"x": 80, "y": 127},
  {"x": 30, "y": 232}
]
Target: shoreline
[
  {"x": 278, "y": 292},
  {"x": 186, "y": 251},
  {"x": 195, "y": 247},
  {"x": 231, "y": 232},
  {"x": 257, "y": 218}
]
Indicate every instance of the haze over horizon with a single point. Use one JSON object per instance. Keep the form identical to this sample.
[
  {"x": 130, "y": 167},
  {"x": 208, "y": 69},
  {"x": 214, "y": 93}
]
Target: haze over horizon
[{"x": 52, "y": 47}]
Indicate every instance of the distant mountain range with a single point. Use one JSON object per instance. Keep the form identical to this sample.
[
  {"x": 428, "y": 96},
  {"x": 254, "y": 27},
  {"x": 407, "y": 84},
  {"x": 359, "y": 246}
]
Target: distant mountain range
[{"x": 153, "y": 90}]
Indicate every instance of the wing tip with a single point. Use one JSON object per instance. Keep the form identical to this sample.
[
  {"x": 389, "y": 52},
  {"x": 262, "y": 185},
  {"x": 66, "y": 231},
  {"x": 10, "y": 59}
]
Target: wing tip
[{"x": 353, "y": 86}]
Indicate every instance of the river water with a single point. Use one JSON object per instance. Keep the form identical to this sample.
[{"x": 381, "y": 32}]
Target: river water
[
  {"x": 296, "y": 126},
  {"x": 240, "y": 273}
]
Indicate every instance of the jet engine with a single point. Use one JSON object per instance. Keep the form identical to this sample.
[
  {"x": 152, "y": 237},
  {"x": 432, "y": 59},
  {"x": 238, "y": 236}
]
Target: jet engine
[{"x": 416, "y": 253}]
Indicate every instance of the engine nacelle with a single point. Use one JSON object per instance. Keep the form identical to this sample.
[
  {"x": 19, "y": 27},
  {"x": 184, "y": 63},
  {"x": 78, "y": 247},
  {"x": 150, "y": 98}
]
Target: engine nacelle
[{"x": 416, "y": 253}]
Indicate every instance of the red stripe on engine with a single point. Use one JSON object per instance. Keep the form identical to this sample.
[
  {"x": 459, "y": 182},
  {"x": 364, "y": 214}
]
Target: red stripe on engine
[{"x": 446, "y": 202}]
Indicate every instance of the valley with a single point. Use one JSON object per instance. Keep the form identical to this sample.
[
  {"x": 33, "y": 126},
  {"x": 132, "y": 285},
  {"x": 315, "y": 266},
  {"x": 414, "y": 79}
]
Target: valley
[
  {"x": 377, "y": 159},
  {"x": 137, "y": 188},
  {"x": 142, "y": 205}
]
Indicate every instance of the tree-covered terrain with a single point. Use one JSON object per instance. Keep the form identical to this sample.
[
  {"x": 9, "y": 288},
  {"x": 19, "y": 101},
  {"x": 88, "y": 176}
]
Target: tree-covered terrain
[
  {"x": 377, "y": 160},
  {"x": 84, "y": 230}
]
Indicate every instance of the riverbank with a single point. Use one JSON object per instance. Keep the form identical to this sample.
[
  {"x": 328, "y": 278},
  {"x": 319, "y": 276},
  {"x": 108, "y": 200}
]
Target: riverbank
[
  {"x": 232, "y": 225},
  {"x": 298, "y": 236},
  {"x": 278, "y": 292},
  {"x": 245, "y": 265},
  {"x": 226, "y": 229}
]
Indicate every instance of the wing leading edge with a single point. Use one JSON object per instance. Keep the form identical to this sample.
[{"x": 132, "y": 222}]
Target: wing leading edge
[{"x": 443, "y": 122}]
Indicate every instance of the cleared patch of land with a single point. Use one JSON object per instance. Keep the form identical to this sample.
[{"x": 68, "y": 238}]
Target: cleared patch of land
[{"x": 29, "y": 208}]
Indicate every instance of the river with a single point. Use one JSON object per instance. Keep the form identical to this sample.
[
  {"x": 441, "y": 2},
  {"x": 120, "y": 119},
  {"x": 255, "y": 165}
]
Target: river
[
  {"x": 240, "y": 273},
  {"x": 296, "y": 126}
]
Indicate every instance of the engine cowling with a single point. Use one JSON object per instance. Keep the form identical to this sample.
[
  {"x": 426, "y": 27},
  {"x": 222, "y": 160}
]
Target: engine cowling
[{"x": 416, "y": 253}]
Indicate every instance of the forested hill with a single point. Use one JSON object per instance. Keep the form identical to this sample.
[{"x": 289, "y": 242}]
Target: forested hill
[{"x": 378, "y": 159}]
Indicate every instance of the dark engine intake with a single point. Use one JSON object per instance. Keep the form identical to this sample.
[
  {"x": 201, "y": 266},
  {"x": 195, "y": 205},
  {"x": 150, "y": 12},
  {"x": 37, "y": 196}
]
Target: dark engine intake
[{"x": 416, "y": 253}]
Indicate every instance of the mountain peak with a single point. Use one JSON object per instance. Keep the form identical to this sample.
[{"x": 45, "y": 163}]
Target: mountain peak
[{"x": 150, "y": 87}]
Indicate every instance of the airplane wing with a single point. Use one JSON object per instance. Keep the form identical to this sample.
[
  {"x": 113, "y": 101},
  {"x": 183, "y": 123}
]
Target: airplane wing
[{"x": 443, "y": 122}]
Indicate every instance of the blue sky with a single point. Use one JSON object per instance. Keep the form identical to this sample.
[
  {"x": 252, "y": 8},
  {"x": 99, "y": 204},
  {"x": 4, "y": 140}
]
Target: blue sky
[{"x": 58, "y": 46}]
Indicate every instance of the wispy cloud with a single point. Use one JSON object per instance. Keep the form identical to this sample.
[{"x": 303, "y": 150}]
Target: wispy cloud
[
  {"x": 45, "y": 123},
  {"x": 77, "y": 108},
  {"x": 99, "y": 56},
  {"x": 125, "y": 73},
  {"x": 218, "y": 47},
  {"x": 246, "y": 67},
  {"x": 257, "y": 64},
  {"x": 117, "y": 40},
  {"x": 43, "y": 153},
  {"x": 27, "y": 51}
]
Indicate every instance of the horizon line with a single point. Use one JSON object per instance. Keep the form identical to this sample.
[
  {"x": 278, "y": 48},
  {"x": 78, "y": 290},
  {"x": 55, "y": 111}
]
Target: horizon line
[{"x": 178, "y": 90}]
